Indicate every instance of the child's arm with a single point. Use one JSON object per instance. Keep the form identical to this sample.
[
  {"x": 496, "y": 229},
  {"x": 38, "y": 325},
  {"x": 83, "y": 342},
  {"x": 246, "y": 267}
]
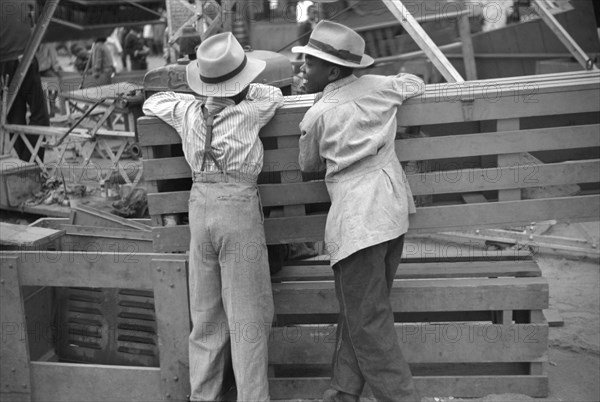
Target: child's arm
[
  {"x": 169, "y": 107},
  {"x": 407, "y": 86},
  {"x": 267, "y": 99},
  {"x": 310, "y": 158}
]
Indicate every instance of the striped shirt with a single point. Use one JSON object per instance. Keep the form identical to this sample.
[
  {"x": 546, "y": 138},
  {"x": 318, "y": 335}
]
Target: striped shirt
[{"x": 235, "y": 141}]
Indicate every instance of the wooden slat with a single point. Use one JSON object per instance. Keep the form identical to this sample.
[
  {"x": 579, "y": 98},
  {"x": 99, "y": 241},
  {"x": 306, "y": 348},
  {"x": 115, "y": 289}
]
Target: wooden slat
[
  {"x": 421, "y": 343},
  {"x": 524, "y": 101},
  {"x": 425, "y": 295},
  {"x": 541, "y": 95},
  {"x": 458, "y": 386},
  {"x": 274, "y": 161},
  {"x": 544, "y": 139},
  {"x": 110, "y": 233},
  {"x": 14, "y": 365},
  {"x": 91, "y": 382},
  {"x": 88, "y": 216},
  {"x": 444, "y": 182},
  {"x": 427, "y": 219},
  {"x": 85, "y": 269},
  {"x": 26, "y": 236},
  {"x": 171, "y": 295},
  {"x": 425, "y": 270},
  {"x": 465, "y": 145}
]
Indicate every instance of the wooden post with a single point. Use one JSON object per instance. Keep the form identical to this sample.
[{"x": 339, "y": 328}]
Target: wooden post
[
  {"x": 411, "y": 26},
  {"x": 32, "y": 45},
  {"x": 464, "y": 29},
  {"x": 508, "y": 159},
  {"x": 14, "y": 371}
]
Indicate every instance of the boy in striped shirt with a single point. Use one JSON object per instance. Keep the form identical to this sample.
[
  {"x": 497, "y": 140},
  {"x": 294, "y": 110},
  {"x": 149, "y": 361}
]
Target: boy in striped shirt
[{"x": 230, "y": 290}]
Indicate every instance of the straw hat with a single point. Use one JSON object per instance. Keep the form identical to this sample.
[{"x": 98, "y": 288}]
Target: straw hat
[
  {"x": 221, "y": 67},
  {"x": 337, "y": 44}
]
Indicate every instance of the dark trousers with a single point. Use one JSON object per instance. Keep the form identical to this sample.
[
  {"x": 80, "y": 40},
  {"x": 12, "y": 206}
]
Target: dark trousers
[
  {"x": 30, "y": 94},
  {"x": 367, "y": 348}
]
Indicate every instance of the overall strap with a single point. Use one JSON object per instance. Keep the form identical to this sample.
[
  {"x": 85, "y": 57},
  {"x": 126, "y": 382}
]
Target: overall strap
[{"x": 209, "y": 120}]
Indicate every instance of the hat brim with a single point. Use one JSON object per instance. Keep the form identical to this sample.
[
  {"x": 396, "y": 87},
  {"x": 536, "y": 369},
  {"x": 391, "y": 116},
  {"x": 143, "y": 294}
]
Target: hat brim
[
  {"x": 365, "y": 62},
  {"x": 227, "y": 88}
]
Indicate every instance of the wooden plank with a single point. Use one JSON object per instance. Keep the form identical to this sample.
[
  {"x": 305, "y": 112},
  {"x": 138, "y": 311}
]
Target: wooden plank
[
  {"x": 371, "y": 46},
  {"x": 14, "y": 367},
  {"x": 425, "y": 270},
  {"x": 542, "y": 95},
  {"x": 90, "y": 268},
  {"x": 543, "y": 139},
  {"x": 433, "y": 53},
  {"x": 88, "y": 216},
  {"x": 427, "y": 219},
  {"x": 91, "y": 382},
  {"x": 555, "y": 138},
  {"x": 171, "y": 295},
  {"x": 443, "y": 182},
  {"x": 506, "y": 213},
  {"x": 110, "y": 233},
  {"x": 27, "y": 236},
  {"x": 381, "y": 42},
  {"x": 458, "y": 386},
  {"x": 95, "y": 244},
  {"x": 421, "y": 343},
  {"x": 508, "y": 160},
  {"x": 464, "y": 30},
  {"x": 423, "y": 295}
]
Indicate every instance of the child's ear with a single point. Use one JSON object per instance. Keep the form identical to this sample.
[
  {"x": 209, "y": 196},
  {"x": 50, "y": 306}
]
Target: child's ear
[{"x": 334, "y": 73}]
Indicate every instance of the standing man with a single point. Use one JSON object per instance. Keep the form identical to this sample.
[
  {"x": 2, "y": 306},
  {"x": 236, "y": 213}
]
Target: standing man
[
  {"x": 230, "y": 285},
  {"x": 136, "y": 49},
  {"x": 306, "y": 26},
  {"x": 17, "y": 19},
  {"x": 102, "y": 67},
  {"x": 350, "y": 133}
]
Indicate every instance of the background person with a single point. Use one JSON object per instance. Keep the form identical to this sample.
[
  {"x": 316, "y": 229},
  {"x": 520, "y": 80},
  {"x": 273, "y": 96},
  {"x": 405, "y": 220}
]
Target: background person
[{"x": 16, "y": 27}]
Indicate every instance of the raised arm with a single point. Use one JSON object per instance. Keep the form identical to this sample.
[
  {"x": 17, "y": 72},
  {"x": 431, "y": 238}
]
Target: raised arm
[
  {"x": 267, "y": 99},
  {"x": 169, "y": 107},
  {"x": 406, "y": 86}
]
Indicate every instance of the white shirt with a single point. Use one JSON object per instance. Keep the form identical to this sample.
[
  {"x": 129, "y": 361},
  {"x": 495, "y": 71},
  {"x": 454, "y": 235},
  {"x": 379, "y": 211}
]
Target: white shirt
[
  {"x": 350, "y": 132},
  {"x": 235, "y": 141}
]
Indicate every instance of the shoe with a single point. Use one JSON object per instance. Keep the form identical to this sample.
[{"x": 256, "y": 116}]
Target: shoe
[{"x": 333, "y": 395}]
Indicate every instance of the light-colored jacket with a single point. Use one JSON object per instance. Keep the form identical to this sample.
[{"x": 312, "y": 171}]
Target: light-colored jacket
[{"x": 350, "y": 132}]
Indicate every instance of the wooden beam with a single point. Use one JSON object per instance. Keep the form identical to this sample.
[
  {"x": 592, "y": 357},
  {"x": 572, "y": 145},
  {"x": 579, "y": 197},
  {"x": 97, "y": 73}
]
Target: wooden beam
[
  {"x": 94, "y": 382},
  {"x": 464, "y": 29},
  {"x": 14, "y": 365},
  {"x": 465, "y": 386},
  {"x": 173, "y": 326},
  {"x": 423, "y": 40},
  {"x": 421, "y": 343},
  {"x": 562, "y": 34}
]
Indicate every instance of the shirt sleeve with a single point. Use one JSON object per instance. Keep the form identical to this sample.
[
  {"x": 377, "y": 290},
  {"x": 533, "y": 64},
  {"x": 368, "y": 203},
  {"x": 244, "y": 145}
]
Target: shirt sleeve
[
  {"x": 309, "y": 157},
  {"x": 267, "y": 99},
  {"x": 407, "y": 86},
  {"x": 169, "y": 107}
]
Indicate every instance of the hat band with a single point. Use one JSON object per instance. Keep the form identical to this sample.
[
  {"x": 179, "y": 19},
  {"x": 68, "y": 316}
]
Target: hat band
[
  {"x": 225, "y": 77},
  {"x": 341, "y": 53}
]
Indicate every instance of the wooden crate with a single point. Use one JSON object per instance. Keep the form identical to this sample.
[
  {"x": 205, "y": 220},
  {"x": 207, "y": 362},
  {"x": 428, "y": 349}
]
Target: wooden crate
[{"x": 468, "y": 327}]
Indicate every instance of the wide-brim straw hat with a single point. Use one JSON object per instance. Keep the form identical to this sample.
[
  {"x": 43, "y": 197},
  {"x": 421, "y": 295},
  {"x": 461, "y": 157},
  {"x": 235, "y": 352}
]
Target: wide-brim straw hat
[
  {"x": 221, "y": 67},
  {"x": 338, "y": 44}
]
